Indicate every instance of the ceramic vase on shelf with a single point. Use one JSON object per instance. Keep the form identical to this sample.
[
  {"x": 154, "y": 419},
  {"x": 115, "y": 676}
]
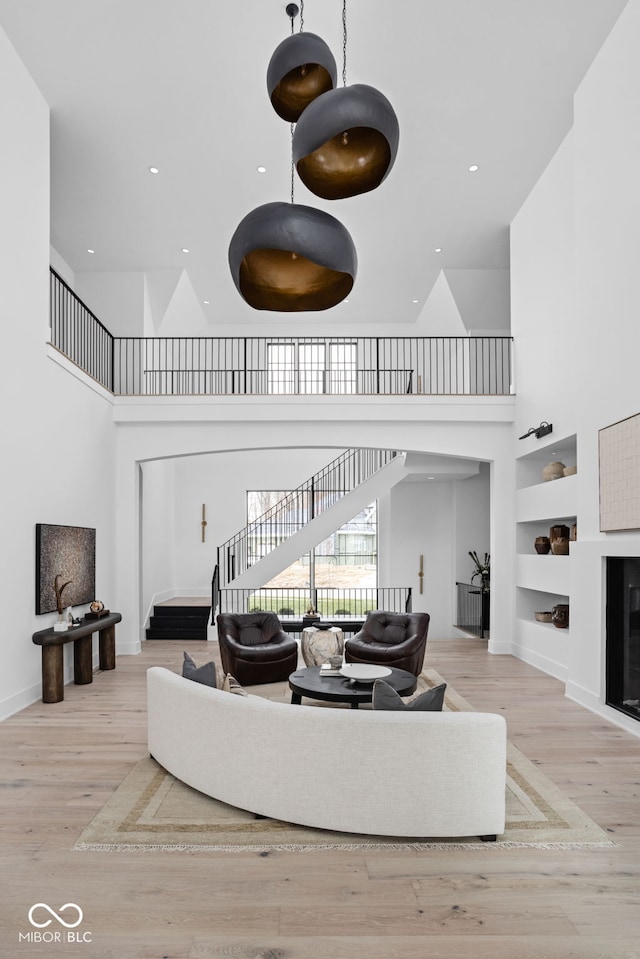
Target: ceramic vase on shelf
[
  {"x": 542, "y": 544},
  {"x": 552, "y": 471},
  {"x": 560, "y": 615},
  {"x": 560, "y": 546}
]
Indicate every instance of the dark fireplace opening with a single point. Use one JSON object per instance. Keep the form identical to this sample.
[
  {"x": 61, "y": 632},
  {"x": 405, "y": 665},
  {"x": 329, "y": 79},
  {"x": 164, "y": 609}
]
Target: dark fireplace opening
[{"x": 623, "y": 634}]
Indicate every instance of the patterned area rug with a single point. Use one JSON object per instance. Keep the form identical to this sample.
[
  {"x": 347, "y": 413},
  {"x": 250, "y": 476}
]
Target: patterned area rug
[{"x": 153, "y": 811}]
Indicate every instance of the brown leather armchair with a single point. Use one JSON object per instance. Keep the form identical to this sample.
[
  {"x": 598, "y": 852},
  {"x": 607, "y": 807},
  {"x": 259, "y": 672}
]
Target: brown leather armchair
[
  {"x": 255, "y": 649},
  {"x": 390, "y": 639}
]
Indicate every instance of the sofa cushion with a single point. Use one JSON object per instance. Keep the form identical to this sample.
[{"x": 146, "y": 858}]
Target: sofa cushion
[
  {"x": 205, "y": 674},
  {"x": 256, "y": 629},
  {"x": 389, "y": 629},
  {"x": 231, "y": 685},
  {"x": 385, "y": 697}
]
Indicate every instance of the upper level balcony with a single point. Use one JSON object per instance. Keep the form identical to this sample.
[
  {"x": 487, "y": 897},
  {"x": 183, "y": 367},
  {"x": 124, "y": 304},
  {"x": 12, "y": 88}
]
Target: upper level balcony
[{"x": 277, "y": 365}]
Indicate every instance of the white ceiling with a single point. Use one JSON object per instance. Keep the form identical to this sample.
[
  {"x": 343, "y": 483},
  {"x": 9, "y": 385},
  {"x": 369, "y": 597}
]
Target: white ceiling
[{"x": 180, "y": 84}]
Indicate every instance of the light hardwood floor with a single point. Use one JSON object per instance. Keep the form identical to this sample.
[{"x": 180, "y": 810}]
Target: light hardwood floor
[{"x": 60, "y": 762}]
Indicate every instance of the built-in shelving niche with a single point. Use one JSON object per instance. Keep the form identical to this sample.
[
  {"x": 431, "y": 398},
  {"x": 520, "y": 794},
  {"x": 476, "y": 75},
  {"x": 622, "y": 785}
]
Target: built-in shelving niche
[{"x": 543, "y": 580}]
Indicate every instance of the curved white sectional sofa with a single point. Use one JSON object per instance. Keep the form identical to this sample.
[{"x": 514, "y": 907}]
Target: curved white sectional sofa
[{"x": 412, "y": 774}]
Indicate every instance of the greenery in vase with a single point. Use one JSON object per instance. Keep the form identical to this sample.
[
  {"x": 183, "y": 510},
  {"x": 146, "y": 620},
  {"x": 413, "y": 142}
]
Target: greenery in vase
[{"x": 482, "y": 568}]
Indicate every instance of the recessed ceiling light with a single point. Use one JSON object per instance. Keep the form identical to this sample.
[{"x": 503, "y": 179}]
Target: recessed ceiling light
[
  {"x": 91, "y": 251},
  {"x": 261, "y": 169},
  {"x": 430, "y": 477},
  {"x": 206, "y": 302},
  {"x": 154, "y": 169},
  {"x": 473, "y": 168},
  {"x": 345, "y": 301},
  {"x": 415, "y": 301},
  {"x": 438, "y": 249},
  {"x": 184, "y": 249}
]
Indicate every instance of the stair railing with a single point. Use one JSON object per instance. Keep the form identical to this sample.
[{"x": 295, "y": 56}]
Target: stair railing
[
  {"x": 298, "y": 508},
  {"x": 215, "y": 594}
]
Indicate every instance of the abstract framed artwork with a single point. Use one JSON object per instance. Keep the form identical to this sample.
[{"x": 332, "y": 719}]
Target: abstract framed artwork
[
  {"x": 70, "y": 552},
  {"x": 619, "y": 475}
]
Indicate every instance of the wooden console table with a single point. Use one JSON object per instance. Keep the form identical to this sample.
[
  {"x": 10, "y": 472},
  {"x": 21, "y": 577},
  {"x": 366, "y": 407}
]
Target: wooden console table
[{"x": 52, "y": 655}]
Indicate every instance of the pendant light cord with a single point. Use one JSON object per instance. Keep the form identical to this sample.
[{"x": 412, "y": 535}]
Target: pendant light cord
[
  {"x": 293, "y": 126},
  {"x": 344, "y": 43},
  {"x": 292, "y": 12}
]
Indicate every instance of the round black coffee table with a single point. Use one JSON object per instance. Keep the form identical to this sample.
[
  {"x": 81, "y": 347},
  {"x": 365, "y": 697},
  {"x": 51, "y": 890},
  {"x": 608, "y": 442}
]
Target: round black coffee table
[{"x": 338, "y": 689}]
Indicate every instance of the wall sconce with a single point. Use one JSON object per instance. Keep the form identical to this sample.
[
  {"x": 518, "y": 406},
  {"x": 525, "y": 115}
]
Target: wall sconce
[{"x": 539, "y": 431}]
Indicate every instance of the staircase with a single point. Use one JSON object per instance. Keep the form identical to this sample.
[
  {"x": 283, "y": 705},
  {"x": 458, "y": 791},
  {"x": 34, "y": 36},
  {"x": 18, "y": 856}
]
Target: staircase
[
  {"x": 299, "y": 512},
  {"x": 179, "y": 622}
]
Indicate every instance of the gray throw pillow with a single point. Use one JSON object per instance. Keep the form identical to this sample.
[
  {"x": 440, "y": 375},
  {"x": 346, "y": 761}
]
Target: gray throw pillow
[
  {"x": 385, "y": 697},
  {"x": 200, "y": 674}
]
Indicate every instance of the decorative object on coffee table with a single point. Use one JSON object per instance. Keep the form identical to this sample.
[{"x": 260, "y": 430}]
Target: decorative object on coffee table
[
  {"x": 364, "y": 672},
  {"x": 542, "y": 545},
  {"x": 553, "y": 471},
  {"x": 319, "y": 644},
  {"x": 339, "y": 689},
  {"x": 560, "y": 615}
]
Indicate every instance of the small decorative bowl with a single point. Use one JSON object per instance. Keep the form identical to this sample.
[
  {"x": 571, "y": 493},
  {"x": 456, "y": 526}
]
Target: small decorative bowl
[{"x": 543, "y": 617}]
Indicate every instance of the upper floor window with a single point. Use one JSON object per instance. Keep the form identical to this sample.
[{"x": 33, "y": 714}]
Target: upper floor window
[{"x": 299, "y": 367}]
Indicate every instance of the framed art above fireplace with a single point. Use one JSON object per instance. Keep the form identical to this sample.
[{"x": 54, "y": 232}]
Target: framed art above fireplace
[{"x": 619, "y": 475}]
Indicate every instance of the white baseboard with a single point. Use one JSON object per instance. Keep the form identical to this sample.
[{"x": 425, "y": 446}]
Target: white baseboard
[
  {"x": 499, "y": 649},
  {"x": 15, "y": 704},
  {"x": 543, "y": 663},
  {"x": 128, "y": 649},
  {"x": 584, "y": 698}
]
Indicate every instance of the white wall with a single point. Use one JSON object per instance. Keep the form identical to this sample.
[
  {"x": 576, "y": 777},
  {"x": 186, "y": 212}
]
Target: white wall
[
  {"x": 607, "y": 192},
  {"x": 221, "y": 481},
  {"x": 482, "y": 296},
  {"x": 117, "y": 299},
  {"x": 158, "y": 547},
  {"x": 543, "y": 309},
  {"x": 164, "y": 303},
  {"x": 575, "y": 303},
  {"x": 472, "y": 511},
  {"x": 421, "y": 521},
  {"x": 56, "y": 432}
]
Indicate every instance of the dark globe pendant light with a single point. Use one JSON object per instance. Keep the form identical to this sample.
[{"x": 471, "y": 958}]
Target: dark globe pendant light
[
  {"x": 301, "y": 68},
  {"x": 346, "y": 142},
  {"x": 291, "y": 258}
]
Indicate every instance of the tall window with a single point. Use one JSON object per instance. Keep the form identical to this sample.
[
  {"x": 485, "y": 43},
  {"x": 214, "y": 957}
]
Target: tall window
[
  {"x": 347, "y": 558},
  {"x": 312, "y": 367}
]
